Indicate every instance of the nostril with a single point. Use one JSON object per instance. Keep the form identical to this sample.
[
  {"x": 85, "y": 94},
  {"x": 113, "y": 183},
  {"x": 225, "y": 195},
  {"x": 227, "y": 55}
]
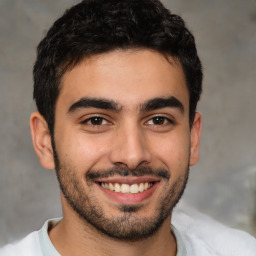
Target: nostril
[{"x": 130, "y": 152}]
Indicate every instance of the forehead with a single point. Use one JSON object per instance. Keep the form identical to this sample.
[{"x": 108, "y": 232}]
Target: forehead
[{"x": 128, "y": 77}]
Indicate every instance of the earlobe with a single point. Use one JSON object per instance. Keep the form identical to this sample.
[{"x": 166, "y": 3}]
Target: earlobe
[
  {"x": 41, "y": 139},
  {"x": 195, "y": 139}
]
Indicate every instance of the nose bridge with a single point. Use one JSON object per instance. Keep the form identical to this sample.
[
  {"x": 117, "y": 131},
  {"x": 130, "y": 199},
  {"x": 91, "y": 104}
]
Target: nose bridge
[{"x": 130, "y": 147}]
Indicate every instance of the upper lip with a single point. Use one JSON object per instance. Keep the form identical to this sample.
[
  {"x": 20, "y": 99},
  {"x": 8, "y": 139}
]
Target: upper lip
[{"x": 128, "y": 180}]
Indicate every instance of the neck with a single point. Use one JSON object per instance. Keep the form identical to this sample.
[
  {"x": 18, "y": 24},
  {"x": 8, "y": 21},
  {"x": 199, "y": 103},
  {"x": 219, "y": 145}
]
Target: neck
[{"x": 73, "y": 237}]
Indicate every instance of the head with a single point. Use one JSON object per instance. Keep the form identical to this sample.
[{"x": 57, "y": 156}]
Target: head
[
  {"x": 95, "y": 26},
  {"x": 116, "y": 84}
]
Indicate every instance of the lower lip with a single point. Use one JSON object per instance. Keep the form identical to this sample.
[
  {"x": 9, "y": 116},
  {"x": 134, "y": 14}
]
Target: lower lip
[{"x": 129, "y": 198}]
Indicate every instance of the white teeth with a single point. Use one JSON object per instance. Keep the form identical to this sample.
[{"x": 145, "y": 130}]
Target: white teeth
[
  {"x": 117, "y": 187},
  {"x": 134, "y": 188},
  {"x": 111, "y": 187},
  {"x": 126, "y": 189},
  {"x": 141, "y": 187}
]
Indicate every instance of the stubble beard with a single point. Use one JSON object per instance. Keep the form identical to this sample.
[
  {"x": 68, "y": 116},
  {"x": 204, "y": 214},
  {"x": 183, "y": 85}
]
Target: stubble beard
[{"x": 128, "y": 226}]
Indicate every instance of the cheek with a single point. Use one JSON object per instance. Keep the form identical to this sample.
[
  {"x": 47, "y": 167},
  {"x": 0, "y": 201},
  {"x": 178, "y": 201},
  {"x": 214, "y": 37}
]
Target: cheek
[
  {"x": 86, "y": 151},
  {"x": 172, "y": 150}
]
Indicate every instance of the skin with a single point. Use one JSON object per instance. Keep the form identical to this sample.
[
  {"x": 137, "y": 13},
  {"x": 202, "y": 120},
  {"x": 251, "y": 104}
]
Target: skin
[{"x": 129, "y": 137}]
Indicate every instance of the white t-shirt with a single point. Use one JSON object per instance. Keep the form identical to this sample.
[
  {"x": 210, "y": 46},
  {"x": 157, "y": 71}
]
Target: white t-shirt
[{"x": 196, "y": 235}]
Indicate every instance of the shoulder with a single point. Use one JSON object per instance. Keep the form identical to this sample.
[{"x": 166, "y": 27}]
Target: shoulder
[
  {"x": 28, "y": 246},
  {"x": 204, "y": 236}
]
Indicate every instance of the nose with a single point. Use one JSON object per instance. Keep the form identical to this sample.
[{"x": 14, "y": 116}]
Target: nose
[{"x": 130, "y": 148}]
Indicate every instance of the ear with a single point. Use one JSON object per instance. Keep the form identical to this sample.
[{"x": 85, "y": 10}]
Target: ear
[
  {"x": 42, "y": 140},
  {"x": 195, "y": 139}
]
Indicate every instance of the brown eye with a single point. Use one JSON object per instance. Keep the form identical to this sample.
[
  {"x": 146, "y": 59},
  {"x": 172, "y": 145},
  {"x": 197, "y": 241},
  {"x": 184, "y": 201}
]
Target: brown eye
[
  {"x": 95, "y": 121},
  {"x": 159, "y": 120}
]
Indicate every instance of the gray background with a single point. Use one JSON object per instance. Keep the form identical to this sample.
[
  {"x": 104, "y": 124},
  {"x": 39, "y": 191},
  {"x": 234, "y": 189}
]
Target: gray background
[{"x": 222, "y": 185}]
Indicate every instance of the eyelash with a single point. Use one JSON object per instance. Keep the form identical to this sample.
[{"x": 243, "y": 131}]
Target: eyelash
[
  {"x": 100, "y": 118},
  {"x": 104, "y": 121},
  {"x": 165, "y": 120}
]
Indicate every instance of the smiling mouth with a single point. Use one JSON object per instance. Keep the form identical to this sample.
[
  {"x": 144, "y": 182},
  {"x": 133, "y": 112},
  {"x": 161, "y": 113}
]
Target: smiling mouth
[{"x": 126, "y": 188}]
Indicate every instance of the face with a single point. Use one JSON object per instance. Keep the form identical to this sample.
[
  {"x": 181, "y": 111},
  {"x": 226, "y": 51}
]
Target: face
[{"x": 122, "y": 141}]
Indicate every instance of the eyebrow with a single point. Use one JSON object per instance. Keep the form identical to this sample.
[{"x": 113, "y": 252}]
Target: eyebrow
[
  {"x": 158, "y": 103},
  {"x": 94, "y": 103},
  {"x": 152, "y": 104}
]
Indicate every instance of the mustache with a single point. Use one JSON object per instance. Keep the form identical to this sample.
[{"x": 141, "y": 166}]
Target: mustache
[{"x": 124, "y": 172}]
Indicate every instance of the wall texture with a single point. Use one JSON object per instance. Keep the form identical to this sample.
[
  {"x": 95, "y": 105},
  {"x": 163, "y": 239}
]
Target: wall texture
[{"x": 222, "y": 185}]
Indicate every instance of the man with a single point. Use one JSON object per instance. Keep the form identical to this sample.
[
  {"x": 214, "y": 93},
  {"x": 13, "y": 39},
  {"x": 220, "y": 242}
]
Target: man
[{"x": 116, "y": 85}]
